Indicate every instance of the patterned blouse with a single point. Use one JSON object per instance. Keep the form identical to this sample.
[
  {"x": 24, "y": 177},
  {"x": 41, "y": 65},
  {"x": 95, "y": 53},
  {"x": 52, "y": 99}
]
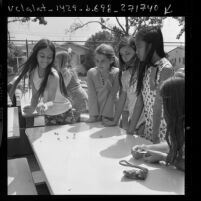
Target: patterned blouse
[{"x": 150, "y": 87}]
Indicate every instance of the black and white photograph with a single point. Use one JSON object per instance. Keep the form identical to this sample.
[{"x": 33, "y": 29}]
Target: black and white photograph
[{"x": 96, "y": 105}]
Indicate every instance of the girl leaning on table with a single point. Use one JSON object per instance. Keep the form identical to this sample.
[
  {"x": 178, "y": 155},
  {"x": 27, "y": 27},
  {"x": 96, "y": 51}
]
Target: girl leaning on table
[
  {"x": 173, "y": 150},
  {"x": 103, "y": 84},
  {"x": 49, "y": 96},
  {"x": 154, "y": 68},
  {"x": 76, "y": 93},
  {"x": 128, "y": 64}
]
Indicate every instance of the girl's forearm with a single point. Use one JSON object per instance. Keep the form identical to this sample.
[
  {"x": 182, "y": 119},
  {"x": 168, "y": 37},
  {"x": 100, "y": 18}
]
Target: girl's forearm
[
  {"x": 34, "y": 101},
  {"x": 120, "y": 107},
  {"x": 162, "y": 147},
  {"x": 157, "y": 111},
  {"x": 136, "y": 113}
]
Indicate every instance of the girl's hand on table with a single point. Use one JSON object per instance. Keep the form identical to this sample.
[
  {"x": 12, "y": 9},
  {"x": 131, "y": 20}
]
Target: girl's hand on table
[
  {"x": 28, "y": 109},
  {"x": 108, "y": 123},
  {"x": 141, "y": 147},
  {"x": 155, "y": 156},
  {"x": 41, "y": 108}
]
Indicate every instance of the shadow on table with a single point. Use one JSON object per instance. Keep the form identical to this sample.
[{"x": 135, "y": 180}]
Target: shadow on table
[
  {"x": 174, "y": 179},
  {"x": 107, "y": 132},
  {"x": 80, "y": 127},
  {"x": 122, "y": 147}
]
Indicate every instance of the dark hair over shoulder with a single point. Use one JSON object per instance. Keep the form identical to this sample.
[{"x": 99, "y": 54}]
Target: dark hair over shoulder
[
  {"x": 125, "y": 41},
  {"x": 151, "y": 35},
  {"x": 173, "y": 95},
  {"x": 32, "y": 63}
]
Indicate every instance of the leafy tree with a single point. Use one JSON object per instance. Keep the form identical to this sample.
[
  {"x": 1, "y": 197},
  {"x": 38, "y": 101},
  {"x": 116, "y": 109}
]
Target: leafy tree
[
  {"x": 93, "y": 42},
  {"x": 130, "y": 27},
  {"x": 181, "y": 21},
  {"x": 41, "y": 20},
  {"x": 13, "y": 52}
]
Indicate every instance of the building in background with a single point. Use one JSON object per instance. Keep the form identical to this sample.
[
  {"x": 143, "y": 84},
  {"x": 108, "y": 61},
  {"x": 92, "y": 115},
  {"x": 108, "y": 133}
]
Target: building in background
[
  {"x": 177, "y": 57},
  {"x": 78, "y": 53}
]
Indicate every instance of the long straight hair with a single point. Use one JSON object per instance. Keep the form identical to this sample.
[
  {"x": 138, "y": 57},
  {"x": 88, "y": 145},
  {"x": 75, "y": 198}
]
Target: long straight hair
[
  {"x": 151, "y": 35},
  {"x": 29, "y": 66},
  {"x": 64, "y": 60},
  {"x": 127, "y": 41},
  {"x": 173, "y": 95}
]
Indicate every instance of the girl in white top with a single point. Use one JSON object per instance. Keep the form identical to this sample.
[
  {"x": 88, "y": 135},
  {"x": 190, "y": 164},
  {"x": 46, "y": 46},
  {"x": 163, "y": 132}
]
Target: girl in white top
[
  {"x": 49, "y": 96},
  {"x": 128, "y": 64}
]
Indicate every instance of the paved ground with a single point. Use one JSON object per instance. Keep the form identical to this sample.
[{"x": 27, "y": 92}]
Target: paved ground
[{"x": 41, "y": 186}]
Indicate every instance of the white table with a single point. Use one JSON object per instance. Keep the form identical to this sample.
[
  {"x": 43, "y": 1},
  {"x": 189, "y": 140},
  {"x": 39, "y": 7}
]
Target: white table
[
  {"x": 20, "y": 181},
  {"x": 84, "y": 159},
  {"x": 13, "y": 123}
]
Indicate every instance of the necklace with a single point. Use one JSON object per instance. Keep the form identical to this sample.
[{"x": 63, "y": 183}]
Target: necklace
[{"x": 103, "y": 81}]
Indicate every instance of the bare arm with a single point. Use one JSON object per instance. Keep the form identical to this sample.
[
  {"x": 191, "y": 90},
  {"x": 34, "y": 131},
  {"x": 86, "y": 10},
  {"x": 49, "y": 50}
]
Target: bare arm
[
  {"x": 120, "y": 106},
  {"x": 92, "y": 97},
  {"x": 51, "y": 88},
  {"x": 66, "y": 76},
  {"x": 115, "y": 86},
  {"x": 136, "y": 114},
  {"x": 34, "y": 99},
  {"x": 52, "y": 85},
  {"x": 162, "y": 147},
  {"x": 157, "y": 108}
]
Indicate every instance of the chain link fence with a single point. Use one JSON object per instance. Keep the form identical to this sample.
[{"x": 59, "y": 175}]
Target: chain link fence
[{"x": 19, "y": 50}]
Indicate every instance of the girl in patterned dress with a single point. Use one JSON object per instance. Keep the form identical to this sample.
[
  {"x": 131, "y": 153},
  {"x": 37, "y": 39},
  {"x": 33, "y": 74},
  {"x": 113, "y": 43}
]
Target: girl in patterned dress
[
  {"x": 172, "y": 151},
  {"x": 153, "y": 70},
  {"x": 103, "y": 85},
  {"x": 76, "y": 93},
  {"x": 49, "y": 96},
  {"x": 128, "y": 63}
]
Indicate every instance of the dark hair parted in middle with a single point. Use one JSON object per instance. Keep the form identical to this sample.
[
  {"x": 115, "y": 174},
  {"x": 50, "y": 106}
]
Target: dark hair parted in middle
[
  {"x": 134, "y": 62},
  {"x": 151, "y": 35}
]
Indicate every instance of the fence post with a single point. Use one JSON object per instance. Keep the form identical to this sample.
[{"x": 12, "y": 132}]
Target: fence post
[{"x": 27, "y": 49}]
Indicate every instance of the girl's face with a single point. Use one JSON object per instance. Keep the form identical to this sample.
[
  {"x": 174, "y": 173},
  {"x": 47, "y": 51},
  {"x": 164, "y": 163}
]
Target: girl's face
[
  {"x": 102, "y": 61},
  {"x": 141, "y": 49},
  {"x": 44, "y": 57},
  {"x": 127, "y": 53},
  {"x": 61, "y": 68}
]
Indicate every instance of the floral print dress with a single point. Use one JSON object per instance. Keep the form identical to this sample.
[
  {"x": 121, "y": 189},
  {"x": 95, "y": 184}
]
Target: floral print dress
[{"x": 149, "y": 96}]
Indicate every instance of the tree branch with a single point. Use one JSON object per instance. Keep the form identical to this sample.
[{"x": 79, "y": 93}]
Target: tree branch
[
  {"x": 16, "y": 20},
  {"x": 82, "y": 25},
  {"x": 120, "y": 25}
]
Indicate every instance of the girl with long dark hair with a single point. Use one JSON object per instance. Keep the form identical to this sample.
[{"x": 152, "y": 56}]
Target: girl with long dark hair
[
  {"x": 128, "y": 64},
  {"x": 49, "y": 96},
  {"x": 153, "y": 70},
  {"x": 172, "y": 150}
]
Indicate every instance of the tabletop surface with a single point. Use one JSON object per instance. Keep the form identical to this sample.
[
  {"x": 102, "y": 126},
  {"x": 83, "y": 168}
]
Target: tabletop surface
[
  {"x": 13, "y": 122},
  {"x": 19, "y": 180},
  {"x": 84, "y": 159}
]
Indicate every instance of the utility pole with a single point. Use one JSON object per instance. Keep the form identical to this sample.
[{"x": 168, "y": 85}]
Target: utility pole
[{"x": 27, "y": 49}]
